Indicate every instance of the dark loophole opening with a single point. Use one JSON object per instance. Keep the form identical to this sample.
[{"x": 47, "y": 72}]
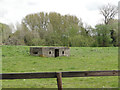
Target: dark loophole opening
[
  {"x": 35, "y": 52},
  {"x": 62, "y": 52},
  {"x": 49, "y": 52}
]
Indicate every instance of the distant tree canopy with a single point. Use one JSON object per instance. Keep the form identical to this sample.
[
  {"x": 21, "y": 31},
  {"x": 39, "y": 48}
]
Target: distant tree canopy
[
  {"x": 54, "y": 29},
  {"x": 5, "y": 32},
  {"x": 108, "y": 11},
  {"x": 51, "y": 29},
  {"x": 109, "y": 30}
]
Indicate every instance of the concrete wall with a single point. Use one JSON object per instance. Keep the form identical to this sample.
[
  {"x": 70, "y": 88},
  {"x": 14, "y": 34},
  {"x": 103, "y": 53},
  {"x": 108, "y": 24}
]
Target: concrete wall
[
  {"x": 64, "y": 52},
  {"x": 35, "y": 51},
  {"x": 49, "y": 52}
]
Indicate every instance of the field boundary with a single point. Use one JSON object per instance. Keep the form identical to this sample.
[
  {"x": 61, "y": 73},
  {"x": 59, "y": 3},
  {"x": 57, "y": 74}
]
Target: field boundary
[{"x": 59, "y": 75}]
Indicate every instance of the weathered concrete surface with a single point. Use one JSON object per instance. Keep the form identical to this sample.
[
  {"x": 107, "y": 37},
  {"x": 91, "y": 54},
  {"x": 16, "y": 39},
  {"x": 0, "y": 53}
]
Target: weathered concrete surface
[{"x": 50, "y": 51}]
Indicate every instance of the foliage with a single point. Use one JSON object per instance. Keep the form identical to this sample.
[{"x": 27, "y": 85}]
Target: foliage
[
  {"x": 113, "y": 24},
  {"x": 103, "y": 35},
  {"x": 108, "y": 11},
  {"x": 54, "y": 29},
  {"x": 5, "y": 32},
  {"x": 106, "y": 35},
  {"x": 51, "y": 29}
]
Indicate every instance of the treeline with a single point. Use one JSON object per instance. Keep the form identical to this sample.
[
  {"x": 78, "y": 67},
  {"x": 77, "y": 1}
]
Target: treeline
[
  {"x": 5, "y": 32},
  {"x": 50, "y": 29},
  {"x": 54, "y": 29}
]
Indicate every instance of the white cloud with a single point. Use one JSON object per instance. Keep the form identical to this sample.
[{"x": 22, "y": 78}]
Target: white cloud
[{"x": 12, "y": 11}]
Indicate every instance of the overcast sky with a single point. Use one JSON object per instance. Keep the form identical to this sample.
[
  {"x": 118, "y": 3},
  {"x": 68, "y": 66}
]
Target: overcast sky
[{"x": 12, "y": 11}]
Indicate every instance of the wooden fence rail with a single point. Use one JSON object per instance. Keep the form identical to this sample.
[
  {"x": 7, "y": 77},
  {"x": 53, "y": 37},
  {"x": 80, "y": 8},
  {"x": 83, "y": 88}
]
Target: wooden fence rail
[{"x": 59, "y": 75}]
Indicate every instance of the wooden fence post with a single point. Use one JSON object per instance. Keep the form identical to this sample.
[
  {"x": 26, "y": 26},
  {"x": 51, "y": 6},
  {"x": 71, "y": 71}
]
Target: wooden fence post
[{"x": 59, "y": 80}]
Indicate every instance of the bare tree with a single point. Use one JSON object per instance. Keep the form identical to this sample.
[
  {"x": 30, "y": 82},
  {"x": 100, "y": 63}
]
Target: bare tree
[{"x": 108, "y": 11}]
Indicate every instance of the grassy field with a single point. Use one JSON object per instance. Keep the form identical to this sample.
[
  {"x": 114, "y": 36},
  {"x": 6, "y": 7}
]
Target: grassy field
[{"x": 17, "y": 59}]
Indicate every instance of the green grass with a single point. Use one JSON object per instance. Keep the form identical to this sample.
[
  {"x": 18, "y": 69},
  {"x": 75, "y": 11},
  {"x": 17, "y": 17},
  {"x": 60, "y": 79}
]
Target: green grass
[{"x": 17, "y": 59}]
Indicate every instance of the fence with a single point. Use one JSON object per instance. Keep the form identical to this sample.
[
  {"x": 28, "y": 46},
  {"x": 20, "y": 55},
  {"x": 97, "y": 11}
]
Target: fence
[{"x": 59, "y": 75}]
